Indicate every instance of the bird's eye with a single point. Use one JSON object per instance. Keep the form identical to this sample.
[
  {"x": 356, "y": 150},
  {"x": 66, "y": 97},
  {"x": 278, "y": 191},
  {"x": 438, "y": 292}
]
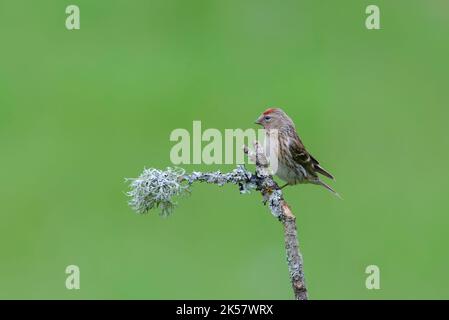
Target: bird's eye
[{"x": 267, "y": 118}]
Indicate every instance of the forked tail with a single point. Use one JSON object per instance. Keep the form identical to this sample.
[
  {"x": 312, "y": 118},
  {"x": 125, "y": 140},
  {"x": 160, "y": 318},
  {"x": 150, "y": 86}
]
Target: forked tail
[{"x": 321, "y": 183}]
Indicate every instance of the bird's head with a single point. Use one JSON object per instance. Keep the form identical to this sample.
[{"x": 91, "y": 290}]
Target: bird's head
[{"x": 274, "y": 118}]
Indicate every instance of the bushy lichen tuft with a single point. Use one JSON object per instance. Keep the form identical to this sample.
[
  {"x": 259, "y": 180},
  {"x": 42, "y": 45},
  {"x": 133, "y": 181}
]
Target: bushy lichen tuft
[{"x": 156, "y": 189}]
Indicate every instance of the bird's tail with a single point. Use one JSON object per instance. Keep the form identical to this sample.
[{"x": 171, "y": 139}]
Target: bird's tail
[{"x": 321, "y": 183}]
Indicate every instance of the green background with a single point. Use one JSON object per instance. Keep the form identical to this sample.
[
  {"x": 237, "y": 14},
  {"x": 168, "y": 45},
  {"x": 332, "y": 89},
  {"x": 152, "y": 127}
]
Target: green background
[{"x": 81, "y": 110}]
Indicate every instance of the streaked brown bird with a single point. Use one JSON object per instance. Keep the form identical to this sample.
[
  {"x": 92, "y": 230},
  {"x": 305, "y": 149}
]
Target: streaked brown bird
[{"x": 294, "y": 163}]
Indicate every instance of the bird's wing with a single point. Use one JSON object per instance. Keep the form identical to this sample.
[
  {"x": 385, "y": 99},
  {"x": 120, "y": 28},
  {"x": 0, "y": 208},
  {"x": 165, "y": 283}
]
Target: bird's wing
[
  {"x": 320, "y": 169},
  {"x": 306, "y": 160},
  {"x": 301, "y": 156}
]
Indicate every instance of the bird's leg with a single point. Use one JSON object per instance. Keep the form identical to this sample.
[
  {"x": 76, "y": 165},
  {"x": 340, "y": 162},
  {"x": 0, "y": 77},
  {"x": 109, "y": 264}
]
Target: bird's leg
[{"x": 284, "y": 186}]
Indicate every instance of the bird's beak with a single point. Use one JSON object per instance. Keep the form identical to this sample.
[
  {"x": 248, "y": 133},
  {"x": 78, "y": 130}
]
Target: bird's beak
[{"x": 258, "y": 121}]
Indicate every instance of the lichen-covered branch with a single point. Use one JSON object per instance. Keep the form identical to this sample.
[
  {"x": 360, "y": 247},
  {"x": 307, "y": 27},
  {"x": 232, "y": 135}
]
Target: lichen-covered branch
[
  {"x": 279, "y": 207},
  {"x": 156, "y": 188},
  {"x": 159, "y": 189}
]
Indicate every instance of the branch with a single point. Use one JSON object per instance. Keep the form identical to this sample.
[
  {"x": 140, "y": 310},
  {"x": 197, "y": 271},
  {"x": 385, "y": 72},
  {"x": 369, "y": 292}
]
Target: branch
[
  {"x": 158, "y": 188},
  {"x": 279, "y": 207}
]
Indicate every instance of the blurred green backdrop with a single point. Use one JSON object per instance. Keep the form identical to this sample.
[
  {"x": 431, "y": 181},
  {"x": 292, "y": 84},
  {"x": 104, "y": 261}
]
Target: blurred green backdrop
[{"x": 82, "y": 110}]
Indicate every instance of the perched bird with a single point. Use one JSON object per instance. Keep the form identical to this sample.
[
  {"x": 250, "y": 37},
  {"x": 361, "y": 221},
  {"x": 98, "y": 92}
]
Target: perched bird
[{"x": 294, "y": 163}]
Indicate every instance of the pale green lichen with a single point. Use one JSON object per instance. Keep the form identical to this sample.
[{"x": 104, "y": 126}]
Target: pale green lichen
[{"x": 157, "y": 189}]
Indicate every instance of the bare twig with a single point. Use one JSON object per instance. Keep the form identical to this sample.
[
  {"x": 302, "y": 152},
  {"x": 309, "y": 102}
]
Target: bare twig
[{"x": 157, "y": 188}]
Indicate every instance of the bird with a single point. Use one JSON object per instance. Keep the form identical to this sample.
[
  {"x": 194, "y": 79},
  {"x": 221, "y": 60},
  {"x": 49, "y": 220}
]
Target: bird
[{"x": 295, "y": 165}]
